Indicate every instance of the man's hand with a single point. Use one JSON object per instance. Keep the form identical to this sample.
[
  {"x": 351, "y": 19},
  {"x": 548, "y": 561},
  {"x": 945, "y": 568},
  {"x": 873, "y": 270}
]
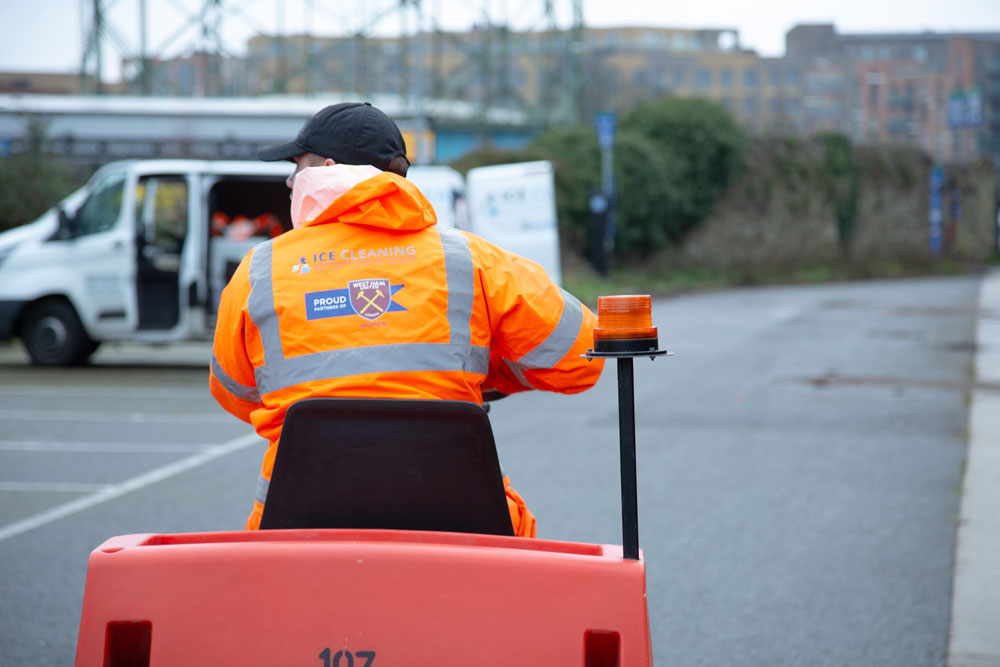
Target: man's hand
[{"x": 492, "y": 395}]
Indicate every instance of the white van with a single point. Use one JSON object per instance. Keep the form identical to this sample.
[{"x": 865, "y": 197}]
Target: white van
[{"x": 140, "y": 253}]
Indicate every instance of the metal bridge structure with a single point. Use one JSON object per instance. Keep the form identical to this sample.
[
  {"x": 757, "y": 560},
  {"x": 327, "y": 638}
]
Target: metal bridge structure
[{"x": 218, "y": 30}]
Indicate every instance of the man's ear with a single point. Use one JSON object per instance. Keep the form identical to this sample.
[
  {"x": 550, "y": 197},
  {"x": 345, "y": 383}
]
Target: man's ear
[{"x": 328, "y": 162}]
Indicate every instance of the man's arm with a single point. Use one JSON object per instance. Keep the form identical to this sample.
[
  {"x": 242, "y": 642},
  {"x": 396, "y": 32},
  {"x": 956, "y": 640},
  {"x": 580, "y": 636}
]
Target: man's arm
[
  {"x": 540, "y": 331},
  {"x": 231, "y": 377}
]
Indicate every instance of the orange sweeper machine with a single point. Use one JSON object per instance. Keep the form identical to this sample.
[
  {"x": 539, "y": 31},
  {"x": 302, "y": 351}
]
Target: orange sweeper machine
[{"x": 388, "y": 543}]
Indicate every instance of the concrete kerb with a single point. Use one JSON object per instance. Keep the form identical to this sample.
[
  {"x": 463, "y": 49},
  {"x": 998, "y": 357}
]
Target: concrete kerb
[{"x": 975, "y": 614}]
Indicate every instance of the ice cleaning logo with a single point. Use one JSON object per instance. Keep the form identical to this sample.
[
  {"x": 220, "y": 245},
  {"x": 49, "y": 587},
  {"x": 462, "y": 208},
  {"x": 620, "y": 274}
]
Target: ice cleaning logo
[
  {"x": 301, "y": 268},
  {"x": 369, "y": 298}
]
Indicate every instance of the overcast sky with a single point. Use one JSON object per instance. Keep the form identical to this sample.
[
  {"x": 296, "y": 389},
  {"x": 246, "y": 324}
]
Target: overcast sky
[{"x": 48, "y": 35}]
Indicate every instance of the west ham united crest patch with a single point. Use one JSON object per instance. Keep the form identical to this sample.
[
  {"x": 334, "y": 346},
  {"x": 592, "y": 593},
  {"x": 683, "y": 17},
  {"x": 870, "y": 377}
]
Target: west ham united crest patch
[{"x": 369, "y": 298}]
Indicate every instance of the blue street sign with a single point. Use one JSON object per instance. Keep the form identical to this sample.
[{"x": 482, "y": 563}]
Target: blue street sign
[{"x": 605, "y": 123}]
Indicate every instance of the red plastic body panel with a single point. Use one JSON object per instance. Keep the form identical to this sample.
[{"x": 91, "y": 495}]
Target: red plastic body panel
[{"x": 301, "y": 597}]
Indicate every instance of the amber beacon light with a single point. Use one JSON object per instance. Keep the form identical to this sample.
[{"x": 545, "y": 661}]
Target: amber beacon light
[
  {"x": 624, "y": 331},
  {"x": 625, "y": 324}
]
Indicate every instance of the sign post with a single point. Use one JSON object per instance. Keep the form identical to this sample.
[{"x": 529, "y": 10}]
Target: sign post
[
  {"x": 605, "y": 123},
  {"x": 935, "y": 216}
]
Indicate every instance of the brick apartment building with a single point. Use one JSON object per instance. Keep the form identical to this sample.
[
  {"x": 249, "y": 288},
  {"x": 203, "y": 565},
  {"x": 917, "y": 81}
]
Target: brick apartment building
[{"x": 938, "y": 91}]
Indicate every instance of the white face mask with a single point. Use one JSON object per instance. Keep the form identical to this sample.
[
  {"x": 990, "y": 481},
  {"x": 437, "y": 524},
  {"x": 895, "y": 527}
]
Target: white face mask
[{"x": 315, "y": 188}]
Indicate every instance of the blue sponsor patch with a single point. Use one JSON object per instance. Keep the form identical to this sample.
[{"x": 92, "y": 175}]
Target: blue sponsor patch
[{"x": 339, "y": 302}]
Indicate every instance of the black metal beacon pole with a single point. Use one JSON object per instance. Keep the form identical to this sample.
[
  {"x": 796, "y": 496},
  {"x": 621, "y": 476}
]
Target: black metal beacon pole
[{"x": 625, "y": 331}]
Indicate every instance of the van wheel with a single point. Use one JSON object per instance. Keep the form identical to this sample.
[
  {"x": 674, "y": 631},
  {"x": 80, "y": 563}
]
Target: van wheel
[{"x": 53, "y": 335}]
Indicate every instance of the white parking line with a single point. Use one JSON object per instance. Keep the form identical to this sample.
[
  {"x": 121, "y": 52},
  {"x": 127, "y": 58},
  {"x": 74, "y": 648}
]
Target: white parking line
[
  {"x": 53, "y": 487},
  {"x": 132, "y": 417},
  {"x": 71, "y": 391},
  {"x": 100, "y": 447},
  {"x": 113, "y": 491}
]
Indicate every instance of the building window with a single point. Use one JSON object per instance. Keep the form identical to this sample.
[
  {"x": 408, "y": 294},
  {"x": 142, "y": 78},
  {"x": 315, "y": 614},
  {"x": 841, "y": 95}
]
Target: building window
[
  {"x": 884, "y": 52},
  {"x": 679, "y": 77},
  {"x": 776, "y": 76},
  {"x": 749, "y": 77},
  {"x": 519, "y": 76},
  {"x": 703, "y": 78},
  {"x": 726, "y": 77},
  {"x": 614, "y": 78},
  {"x": 792, "y": 77},
  {"x": 185, "y": 78},
  {"x": 726, "y": 41},
  {"x": 920, "y": 53},
  {"x": 750, "y": 105},
  {"x": 867, "y": 53}
]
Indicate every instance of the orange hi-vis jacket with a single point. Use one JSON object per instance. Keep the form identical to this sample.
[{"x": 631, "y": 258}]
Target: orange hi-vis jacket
[{"x": 371, "y": 299}]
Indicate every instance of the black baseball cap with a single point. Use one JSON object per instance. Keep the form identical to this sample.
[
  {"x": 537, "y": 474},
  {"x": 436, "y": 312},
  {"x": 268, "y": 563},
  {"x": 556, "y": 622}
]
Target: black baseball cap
[{"x": 349, "y": 133}]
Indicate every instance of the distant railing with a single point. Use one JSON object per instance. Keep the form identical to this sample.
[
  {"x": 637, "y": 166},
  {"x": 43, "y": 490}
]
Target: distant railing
[{"x": 99, "y": 151}]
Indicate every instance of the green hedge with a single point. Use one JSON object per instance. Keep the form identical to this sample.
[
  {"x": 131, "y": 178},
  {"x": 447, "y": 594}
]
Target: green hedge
[
  {"x": 673, "y": 159},
  {"x": 33, "y": 181}
]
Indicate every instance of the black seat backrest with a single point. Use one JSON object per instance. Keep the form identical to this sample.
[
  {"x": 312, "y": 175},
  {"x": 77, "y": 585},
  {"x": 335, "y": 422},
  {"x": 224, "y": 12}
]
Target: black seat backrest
[{"x": 387, "y": 463}]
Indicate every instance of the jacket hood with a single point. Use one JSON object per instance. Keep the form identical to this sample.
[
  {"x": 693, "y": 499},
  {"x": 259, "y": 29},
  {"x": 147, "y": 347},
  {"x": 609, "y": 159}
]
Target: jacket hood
[{"x": 359, "y": 195}]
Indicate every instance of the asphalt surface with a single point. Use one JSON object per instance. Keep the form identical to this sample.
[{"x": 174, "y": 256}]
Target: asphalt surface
[{"x": 800, "y": 472}]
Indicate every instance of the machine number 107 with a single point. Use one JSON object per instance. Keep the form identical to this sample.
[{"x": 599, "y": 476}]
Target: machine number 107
[{"x": 346, "y": 658}]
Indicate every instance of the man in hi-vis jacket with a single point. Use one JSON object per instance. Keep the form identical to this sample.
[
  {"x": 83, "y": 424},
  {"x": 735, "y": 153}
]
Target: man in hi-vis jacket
[{"x": 367, "y": 297}]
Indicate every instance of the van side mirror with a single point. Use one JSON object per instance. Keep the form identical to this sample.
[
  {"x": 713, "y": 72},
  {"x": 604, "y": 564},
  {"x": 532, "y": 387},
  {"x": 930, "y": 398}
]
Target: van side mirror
[{"x": 68, "y": 228}]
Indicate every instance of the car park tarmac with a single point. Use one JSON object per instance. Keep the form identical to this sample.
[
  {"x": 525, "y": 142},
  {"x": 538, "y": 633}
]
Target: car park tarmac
[{"x": 800, "y": 474}]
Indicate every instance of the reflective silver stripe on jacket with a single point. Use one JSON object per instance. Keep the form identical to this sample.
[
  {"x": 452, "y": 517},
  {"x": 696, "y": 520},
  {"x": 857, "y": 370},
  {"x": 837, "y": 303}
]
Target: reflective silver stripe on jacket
[
  {"x": 240, "y": 391},
  {"x": 279, "y": 372},
  {"x": 459, "y": 274},
  {"x": 518, "y": 373},
  {"x": 398, "y": 358},
  {"x": 260, "y": 303},
  {"x": 262, "y": 485},
  {"x": 556, "y": 345}
]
